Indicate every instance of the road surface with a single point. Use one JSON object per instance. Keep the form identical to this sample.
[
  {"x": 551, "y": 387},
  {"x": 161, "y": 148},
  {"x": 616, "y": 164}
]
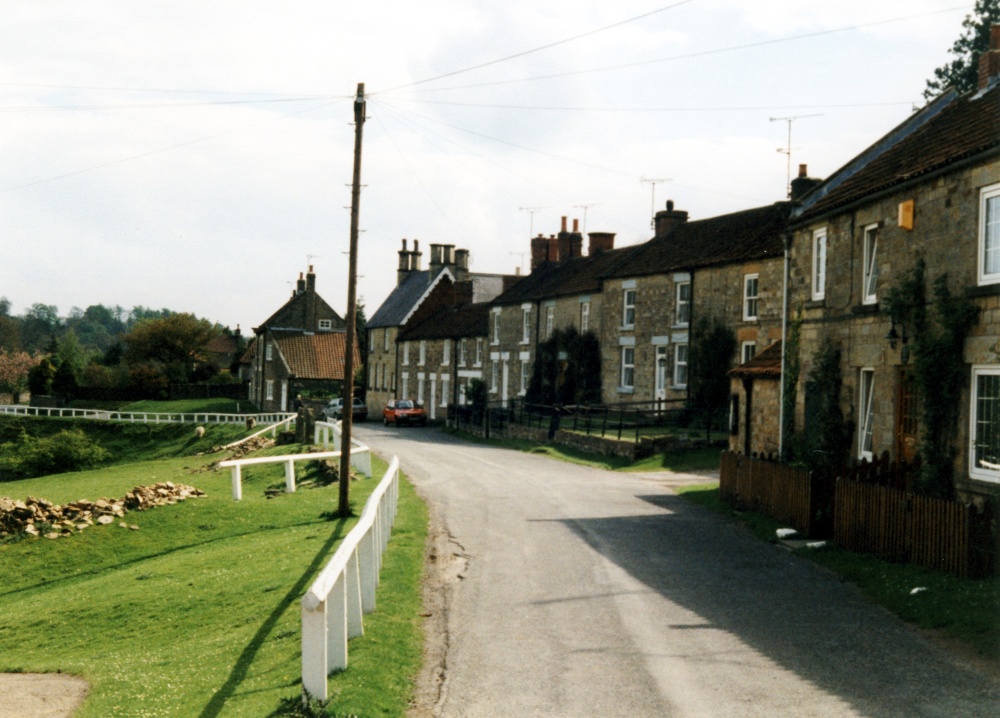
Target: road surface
[{"x": 570, "y": 591}]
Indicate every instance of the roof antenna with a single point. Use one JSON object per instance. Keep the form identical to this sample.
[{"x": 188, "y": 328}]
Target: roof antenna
[
  {"x": 787, "y": 150},
  {"x": 652, "y": 201}
]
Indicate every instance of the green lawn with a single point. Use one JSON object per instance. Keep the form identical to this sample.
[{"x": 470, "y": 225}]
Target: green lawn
[{"x": 196, "y": 613}]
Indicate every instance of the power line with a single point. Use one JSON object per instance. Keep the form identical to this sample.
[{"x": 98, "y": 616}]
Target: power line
[
  {"x": 160, "y": 105},
  {"x": 539, "y": 49},
  {"x": 702, "y": 53},
  {"x": 747, "y": 108}
]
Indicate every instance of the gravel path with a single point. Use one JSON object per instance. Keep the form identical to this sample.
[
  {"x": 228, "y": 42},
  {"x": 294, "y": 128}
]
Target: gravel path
[{"x": 40, "y": 695}]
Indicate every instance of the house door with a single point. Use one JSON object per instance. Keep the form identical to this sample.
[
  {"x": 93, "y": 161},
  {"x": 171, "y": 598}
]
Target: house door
[
  {"x": 504, "y": 381},
  {"x": 661, "y": 372},
  {"x": 907, "y": 411},
  {"x": 284, "y": 396}
]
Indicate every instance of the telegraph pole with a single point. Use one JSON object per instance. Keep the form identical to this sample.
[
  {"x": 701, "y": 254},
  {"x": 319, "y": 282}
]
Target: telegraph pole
[{"x": 347, "y": 410}]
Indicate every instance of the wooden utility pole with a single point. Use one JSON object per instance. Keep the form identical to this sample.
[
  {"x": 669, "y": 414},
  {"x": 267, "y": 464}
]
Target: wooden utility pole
[{"x": 347, "y": 411}]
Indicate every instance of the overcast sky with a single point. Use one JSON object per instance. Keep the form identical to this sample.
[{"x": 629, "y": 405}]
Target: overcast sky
[{"x": 195, "y": 155}]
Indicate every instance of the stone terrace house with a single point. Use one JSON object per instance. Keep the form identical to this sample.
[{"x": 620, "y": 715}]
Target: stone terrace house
[
  {"x": 442, "y": 354},
  {"x": 563, "y": 290},
  {"x": 299, "y": 347},
  {"x": 415, "y": 297},
  {"x": 725, "y": 268},
  {"x": 929, "y": 189}
]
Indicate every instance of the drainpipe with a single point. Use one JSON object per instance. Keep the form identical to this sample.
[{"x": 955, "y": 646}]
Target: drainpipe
[{"x": 787, "y": 240}]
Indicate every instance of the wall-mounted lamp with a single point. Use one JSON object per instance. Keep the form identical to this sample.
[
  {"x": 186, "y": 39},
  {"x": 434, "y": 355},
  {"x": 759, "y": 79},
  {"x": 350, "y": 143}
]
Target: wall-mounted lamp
[{"x": 892, "y": 337}]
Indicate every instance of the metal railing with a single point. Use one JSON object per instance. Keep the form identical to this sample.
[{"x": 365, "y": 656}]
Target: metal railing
[{"x": 333, "y": 607}]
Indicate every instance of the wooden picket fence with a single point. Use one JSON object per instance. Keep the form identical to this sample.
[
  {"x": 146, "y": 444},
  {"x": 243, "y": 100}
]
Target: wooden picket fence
[
  {"x": 792, "y": 495},
  {"x": 903, "y": 527}
]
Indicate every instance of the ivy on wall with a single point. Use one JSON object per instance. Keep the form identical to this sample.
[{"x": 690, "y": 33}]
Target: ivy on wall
[
  {"x": 937, "y": 331},
  {"x": 790, "y": 379},
  {"x": 567, "y": 369}
]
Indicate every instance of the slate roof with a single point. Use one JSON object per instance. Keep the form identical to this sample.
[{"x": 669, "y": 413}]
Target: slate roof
[
  {"x": 300, "y": 298},
  {"x": 402, "y": 299},
  {"x": 952, "y": 128},
  {"x": 765, "y": 364},
  {"x": 748, "y": 235},
  {"x": 315, "y": 356},
  {"x": 468, "y": 320},
  {"x": 579, "y": 275}
]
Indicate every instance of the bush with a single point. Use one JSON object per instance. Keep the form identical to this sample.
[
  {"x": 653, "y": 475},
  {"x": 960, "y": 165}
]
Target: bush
[{"x": 68, "y": 450}]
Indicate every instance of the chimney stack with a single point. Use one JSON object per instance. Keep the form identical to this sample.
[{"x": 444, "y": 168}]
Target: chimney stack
[
  {"x": 989, "y": 61},
  {"x": 415, "y": 256},
  {"x": 666, "y": 220},
  {"x": 803, "y": 184},
  {"x": 600, "y": 242},
  {"x": 461, "y": 263},
  {"x": 311, "y": 280},
  {"x": 539, "y": 251},
  {"x": 300, "y": 286},
  {"x": 403, "y": 270}
]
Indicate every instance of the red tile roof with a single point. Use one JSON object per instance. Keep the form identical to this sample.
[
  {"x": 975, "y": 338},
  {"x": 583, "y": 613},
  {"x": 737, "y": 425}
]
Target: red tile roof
[
  {"x": 316, "y": 356},
  {"x": 765, "y": 364}
]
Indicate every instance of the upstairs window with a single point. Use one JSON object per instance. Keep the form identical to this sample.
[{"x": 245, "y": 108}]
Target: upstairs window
[
  {"x": 866, "y": 416},
  {"x": 751, "y": 288},
  {"x": 461, "y": 352},
  {"x": 496, "y": 326},
  {"x": 550, "y": 320},
  {"x": 870, "y": 281},
  {"x": 525, "y": 325},
  {"x": 479, "y": 352},
  {"x": 819, "y": 264},
  {"x": 682, "y": 314},
  {"x": 423, "y": 353},
  {"x": 406, "y": 353},
  {"x": 446, "y": 351},
  {"x": 628, "y": 308},
  {"x": 385, "y": 340},
  {"x": 748, "y": 350},
  {"x": 584, "y": 317},
  {"x": 989, "y": 235},
  {"x": 325, "y": 324}
]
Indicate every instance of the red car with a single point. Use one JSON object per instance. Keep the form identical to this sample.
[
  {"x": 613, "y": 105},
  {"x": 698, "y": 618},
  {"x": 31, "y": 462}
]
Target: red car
[{"x": 404, "y": 411}]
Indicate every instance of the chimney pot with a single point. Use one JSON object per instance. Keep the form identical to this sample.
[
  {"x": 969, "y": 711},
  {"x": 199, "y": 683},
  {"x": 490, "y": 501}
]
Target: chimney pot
[
  {"x": 802, "y": 171},
  {"x": 989, "y": 61},
  {"x": 563, "y": 225},
  {"x": 576, "y": 225},
  {"x": 665, "y": 220}
]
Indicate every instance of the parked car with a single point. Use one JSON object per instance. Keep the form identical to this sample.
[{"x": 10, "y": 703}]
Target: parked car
[
  {"x": 404, "y": 411},
  {"x": 334, "y": 410}
]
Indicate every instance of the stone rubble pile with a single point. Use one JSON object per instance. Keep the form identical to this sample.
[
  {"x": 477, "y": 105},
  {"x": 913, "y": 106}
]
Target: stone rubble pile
[
  {"x": 250, "y": 445},
  {"x": 34, "y": 516}
]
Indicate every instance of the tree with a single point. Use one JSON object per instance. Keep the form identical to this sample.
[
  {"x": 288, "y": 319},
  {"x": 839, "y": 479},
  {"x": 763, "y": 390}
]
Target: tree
[
  {"x": 179, "y": 339},
  {"x": 710, "y": 356},
  {"x": 39, "y": 326},
  {"x": 40, "y": 377},
  {"x": 566, "y": 369},
  {"x": 962, "y": 73},
  {"x": 14, "y": 370}
]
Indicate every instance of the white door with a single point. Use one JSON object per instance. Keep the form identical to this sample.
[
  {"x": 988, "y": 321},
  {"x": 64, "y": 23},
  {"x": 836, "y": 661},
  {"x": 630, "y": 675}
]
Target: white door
[
  {"x": 661, "y": 372},
  {"x": 504, "y": 384},
  {"x": 284, "y": 396}
]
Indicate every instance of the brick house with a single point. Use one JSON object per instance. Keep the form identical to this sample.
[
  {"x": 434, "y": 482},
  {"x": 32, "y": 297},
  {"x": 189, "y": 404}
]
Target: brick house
[
  {"x": 725, "y": 268},
  {"x": 418, "y": 294},
  {"x": 301, "y": 347},
  {"x": 564, "y": 289},
  {"x": 930, "y": 188}
]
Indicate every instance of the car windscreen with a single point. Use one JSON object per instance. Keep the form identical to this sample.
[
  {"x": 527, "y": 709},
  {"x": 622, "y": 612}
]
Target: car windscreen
[{"x": 404, "y": 404}]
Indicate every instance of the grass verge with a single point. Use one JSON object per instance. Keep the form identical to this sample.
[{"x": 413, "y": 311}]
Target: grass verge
[
  {"x": 196, "y": 613},
  {"x": 192, "y": 406},
  {"x": 959, "y": 609}
]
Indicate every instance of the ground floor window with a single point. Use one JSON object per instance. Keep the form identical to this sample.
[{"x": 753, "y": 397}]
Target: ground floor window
[
  {"x": 866, "y": 417},
  {"x": 628, "y": 367},
  {"x": 269, "y": 390},
  {"x": 681, "y": 365},
  {"x": 985, "y": 423}
]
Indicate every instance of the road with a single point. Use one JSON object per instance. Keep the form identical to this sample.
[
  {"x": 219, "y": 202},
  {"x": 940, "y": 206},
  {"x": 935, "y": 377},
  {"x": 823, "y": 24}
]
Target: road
[{"x": 570, "y": 591}]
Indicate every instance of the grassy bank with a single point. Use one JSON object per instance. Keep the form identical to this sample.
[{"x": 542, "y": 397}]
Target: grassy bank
[{"x": 196, "y": 612}]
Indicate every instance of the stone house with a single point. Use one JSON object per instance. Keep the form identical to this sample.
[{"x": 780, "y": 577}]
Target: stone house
[
  {"x": 928, "y": 189},
  {"x": 564, "y": 289},
  {"x": 725, "y": 268},
  {"x": 419, "y": 293},
  {"x": 301, "y": 347}
]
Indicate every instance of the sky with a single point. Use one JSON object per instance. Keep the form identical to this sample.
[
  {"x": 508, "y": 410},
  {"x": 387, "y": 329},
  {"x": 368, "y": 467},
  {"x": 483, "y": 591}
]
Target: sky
[{"x": 197, "y": 156}]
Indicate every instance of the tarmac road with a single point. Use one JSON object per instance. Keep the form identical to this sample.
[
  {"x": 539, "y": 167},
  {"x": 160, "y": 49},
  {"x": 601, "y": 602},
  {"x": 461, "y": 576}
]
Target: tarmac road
[{"x": 570, "y": 591}]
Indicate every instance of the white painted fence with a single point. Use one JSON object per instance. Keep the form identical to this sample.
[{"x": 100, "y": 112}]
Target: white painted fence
[
  {"x": 289, "y": 461},
  {"x": 345, "y": 589},
  {"x": 328, "y": 434},
  {"x": 143, "y": 417}
]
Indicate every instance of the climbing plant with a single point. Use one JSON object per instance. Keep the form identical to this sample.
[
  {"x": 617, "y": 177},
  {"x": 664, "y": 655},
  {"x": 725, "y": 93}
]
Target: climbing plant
[
  {"x": 826, "y": 441},
  {"x": 937, "y": 331},
  {"x": 710, "y": 357},
  {"x": 790, "y": 380},
  {"x": 567, "y": 369}
]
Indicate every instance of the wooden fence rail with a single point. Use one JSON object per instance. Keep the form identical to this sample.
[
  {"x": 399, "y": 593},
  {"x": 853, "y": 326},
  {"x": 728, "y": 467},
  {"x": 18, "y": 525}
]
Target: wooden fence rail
[
  {"x": 903, "y": 527},
  {"x": 791, "y": 495}
]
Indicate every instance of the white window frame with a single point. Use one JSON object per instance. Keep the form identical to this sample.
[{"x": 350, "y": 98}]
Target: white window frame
[
  {"x": 462, "y": 349},
  {"x": 626, "y": 377},
  {"x": 422, "y": 355},
  {"x": 406, "y": 353},
  {"x": 682, "y": 307},
  {"x": 445, "y": 394},
  {"x": 494, "y": 375},
  {"x": 385, "y": 340},
  {"x": 680, "y": 364},
  {"x": 869, "y": 282},
  {"x": 751, "y": 302},
  {"x": 479, "y": 351},
  {"x": 550, "y": 320},
  {"x": 269, "y": 352},
  {"x": 420, "y": 388},
  {"x": 269, "y": 390},
  {"x": 371, "y": 341},
  {"x": 446, "y": 359},
  {"x": 989, "y": 228},
  {"x": 326, "y": 324},
  {"x": 748, "y": 350},
  {"x": 982, "y": 473},
  {"x": 866, "y": 412},
  {"x": 628, "y": 308},
  {"x": 819, "y": 264},
  {"x": 584, "y": 317},
  {"x": 525, "y": 325},
  {"x": 524, "y": 377},
  {"x": 496, "y": 326}
]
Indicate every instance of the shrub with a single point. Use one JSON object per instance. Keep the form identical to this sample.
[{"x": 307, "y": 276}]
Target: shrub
[{"x": 68, "y": 450}]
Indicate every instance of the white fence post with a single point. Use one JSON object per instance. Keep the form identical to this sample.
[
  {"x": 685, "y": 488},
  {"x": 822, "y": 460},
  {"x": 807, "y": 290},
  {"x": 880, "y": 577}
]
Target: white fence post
[
  {"x": 237, "y": 483},
  {"x": 336, "y": 627},
  {"x": 290, "y": 476},
  {"x": 314, "y": 659}
]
